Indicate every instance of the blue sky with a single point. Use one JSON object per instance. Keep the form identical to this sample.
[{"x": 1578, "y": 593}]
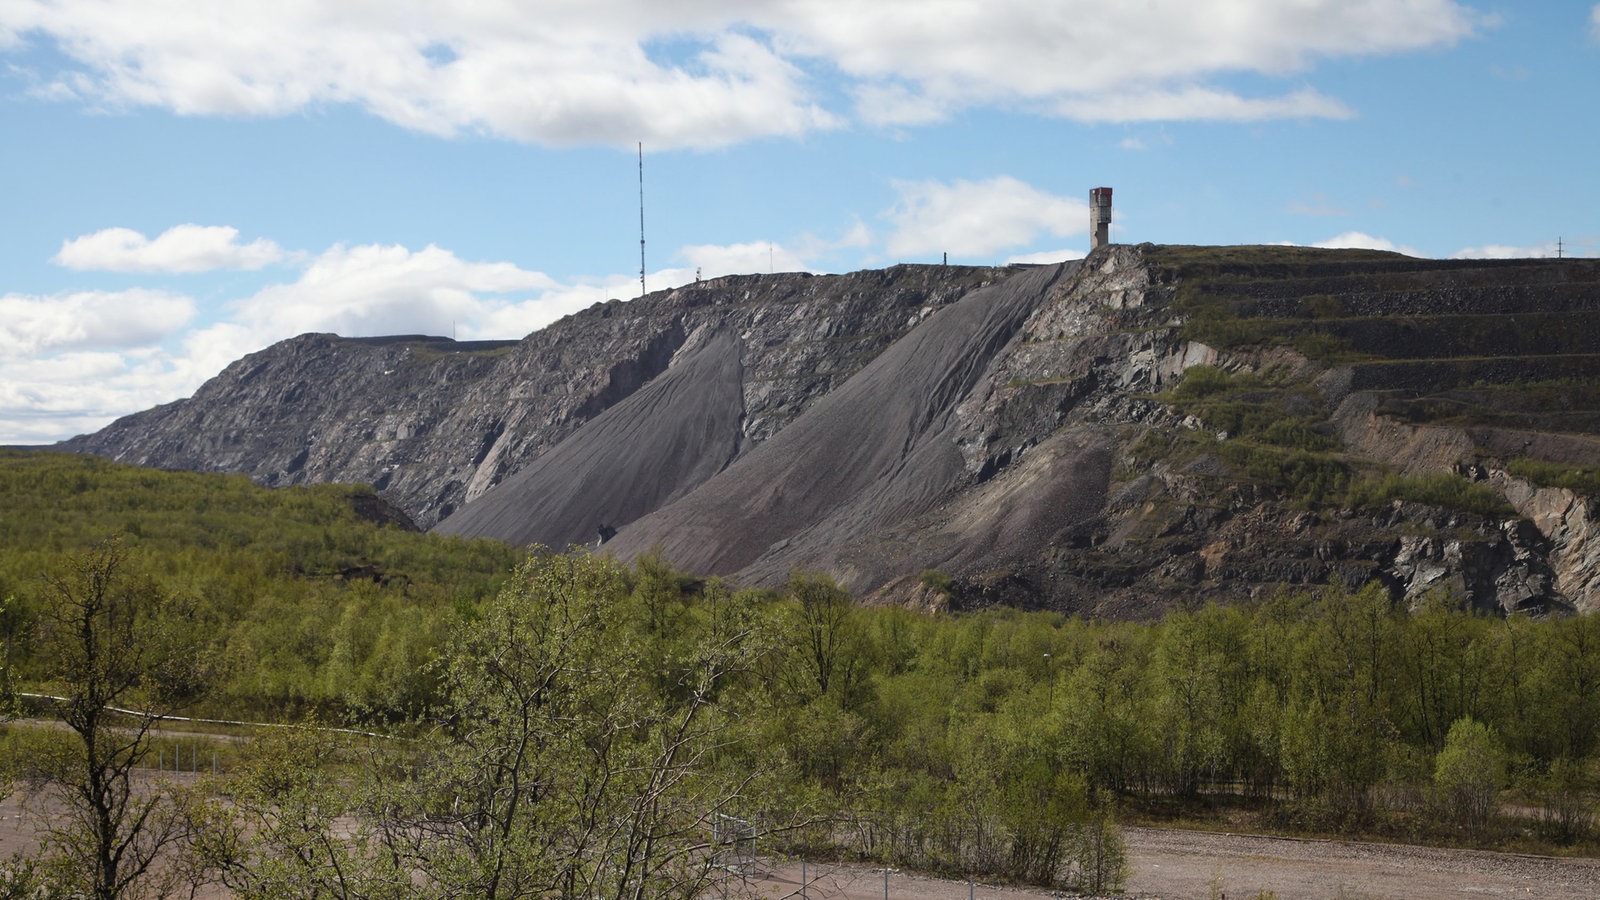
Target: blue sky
[{"x": 186, "y": 183}]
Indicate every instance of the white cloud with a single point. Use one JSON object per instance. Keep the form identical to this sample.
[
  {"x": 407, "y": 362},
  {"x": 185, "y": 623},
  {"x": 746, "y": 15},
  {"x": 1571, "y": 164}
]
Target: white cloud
[
  {"x": 814, "y": 252},
  {"x": 1194, "y": 102},
  {"x": 1045, "y": 256},
  {"x": 1498, "y": 251},
  {"x": 515, "y": 320},
  {"x": 46, "y": 400},
  {"x": 710, "y": 72},
  {"x": 72, "y": 363},
  {"x": 899, "y": 104},
  {"x": 1548, "y": 249},
  {"x": 858, "y": 235},
  {"x": 976, "y": 218},
  {"x": 742, "y": 259},
  {"x": 1111, "y": 61},
  {"x": 1594, "y": 24},
  {"x": 182, "y": 248},
  {"x": 89, "y": 320},
  {"x": 373, "y": 289},
  {"x": 1360, "y": 240},
  {"x": 1034, "y": 49},
  {"x": 582, "y": 73}
]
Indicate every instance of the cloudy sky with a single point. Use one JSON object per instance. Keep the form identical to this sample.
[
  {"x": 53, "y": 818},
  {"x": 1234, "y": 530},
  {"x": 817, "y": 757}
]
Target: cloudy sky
[{"x": 184, "y": 183}]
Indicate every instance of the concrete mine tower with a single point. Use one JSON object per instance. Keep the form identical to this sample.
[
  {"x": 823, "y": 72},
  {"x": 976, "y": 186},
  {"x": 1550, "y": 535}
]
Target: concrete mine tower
[{"x": 1099, "y": 217}]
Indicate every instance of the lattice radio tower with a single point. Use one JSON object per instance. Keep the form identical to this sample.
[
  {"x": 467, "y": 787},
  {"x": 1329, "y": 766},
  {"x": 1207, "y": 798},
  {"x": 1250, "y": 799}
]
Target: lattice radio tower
[{"x": 641, "y": 219}]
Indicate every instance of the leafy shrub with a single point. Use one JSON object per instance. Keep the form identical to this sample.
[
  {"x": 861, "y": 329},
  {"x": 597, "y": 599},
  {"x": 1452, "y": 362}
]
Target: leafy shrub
[
  {"x": 1174, "y": 446},
  {"x": 1244, "y": 405},
  {"x": 1300, "y": 476},
  {"x": 1322, "y": 306},
  {"x": 1226, "y": 332},
  {"x": 1444, "y": 490},
  {"x": 935, "y": 580},
  {"x": 1469, "y": 772},
  {"x": 1298, "y": 434},
  {"x": 1320, "y": 345},
  {"x": 1583, "y": 479},
  {"x": 1202, "y": 381}
]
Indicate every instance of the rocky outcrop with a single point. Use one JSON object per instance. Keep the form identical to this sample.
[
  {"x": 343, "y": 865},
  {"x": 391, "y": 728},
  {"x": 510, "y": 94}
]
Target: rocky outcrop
[{"x": 1566, "y": 523}]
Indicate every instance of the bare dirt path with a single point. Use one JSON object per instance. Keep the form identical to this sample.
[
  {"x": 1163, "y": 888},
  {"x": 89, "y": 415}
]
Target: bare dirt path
[{"x": 1184, "y": 865}]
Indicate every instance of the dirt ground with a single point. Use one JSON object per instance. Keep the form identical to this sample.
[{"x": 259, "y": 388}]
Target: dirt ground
[
  {"x": 1180, "y": 865},
  {"x": 1165, "y": 864}
]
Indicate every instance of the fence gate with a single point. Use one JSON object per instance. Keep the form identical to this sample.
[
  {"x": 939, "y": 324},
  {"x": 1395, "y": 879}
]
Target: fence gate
[{"x": 733, "y": 844}]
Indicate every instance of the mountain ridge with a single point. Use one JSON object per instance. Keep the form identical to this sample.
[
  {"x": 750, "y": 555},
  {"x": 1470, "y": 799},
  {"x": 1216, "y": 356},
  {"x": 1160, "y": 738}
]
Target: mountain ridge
[{"x": 433, "y": 424}]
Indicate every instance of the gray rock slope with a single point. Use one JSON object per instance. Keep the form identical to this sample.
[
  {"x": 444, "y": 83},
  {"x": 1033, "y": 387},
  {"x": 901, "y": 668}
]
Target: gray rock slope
[
  {"x": 879, "y": 450},
  {"x": 434, "y": 423},
  {"x": 668, "y": 437}
]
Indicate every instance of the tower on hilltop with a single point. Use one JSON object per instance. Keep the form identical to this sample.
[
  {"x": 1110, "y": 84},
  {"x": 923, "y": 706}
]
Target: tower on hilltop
[{"x": 1099, "y": 217}]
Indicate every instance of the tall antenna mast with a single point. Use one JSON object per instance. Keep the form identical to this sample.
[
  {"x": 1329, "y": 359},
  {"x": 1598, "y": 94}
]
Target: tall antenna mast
[{"x": 641, "y": 219}]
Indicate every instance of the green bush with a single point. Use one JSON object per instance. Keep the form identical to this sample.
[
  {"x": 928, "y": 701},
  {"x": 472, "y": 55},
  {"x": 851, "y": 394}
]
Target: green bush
[
  {"x": 1298, "y": 434},
  {"x": 1202, "y": 381},
  {"x": 1469, "y": 773},
  {"x": 1300, "y": 476},
  {"x": 1443, "y": 490},
  {"x": 1322, "y": 306},
  {"x": 935, "y": 580},
  {"x": 1320, "y": 345},
  {"x": 1583, "y": 479},
  {"x": 1171, "y": 446}
]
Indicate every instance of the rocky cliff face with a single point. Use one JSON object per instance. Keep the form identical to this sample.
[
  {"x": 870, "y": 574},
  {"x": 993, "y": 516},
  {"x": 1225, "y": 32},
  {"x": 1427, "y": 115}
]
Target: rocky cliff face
[{"x": 1155, "y": 426}]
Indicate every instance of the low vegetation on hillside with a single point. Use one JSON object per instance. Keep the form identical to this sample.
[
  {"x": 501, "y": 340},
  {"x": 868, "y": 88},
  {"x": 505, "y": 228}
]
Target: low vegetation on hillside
[
  {"x": 1276, "y": 433},
  {"x": 573, "y": 726},
  {"x": 295, "y": 598}
]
